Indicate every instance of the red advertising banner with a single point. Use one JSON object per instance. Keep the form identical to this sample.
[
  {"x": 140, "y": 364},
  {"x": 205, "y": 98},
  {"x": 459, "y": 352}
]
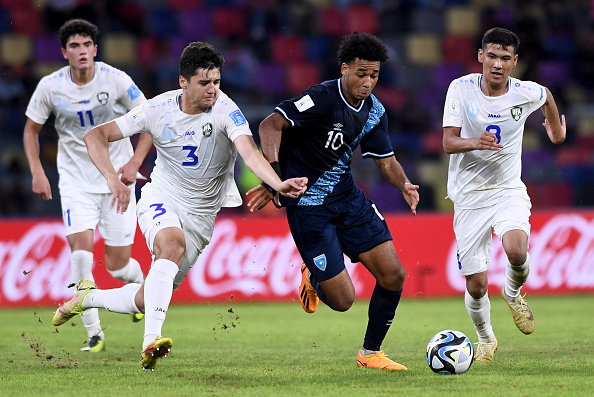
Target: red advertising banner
[{"x": 254, "y": 258}]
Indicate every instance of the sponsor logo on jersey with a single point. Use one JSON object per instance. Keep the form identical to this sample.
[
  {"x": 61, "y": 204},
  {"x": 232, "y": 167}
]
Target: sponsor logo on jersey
[
  {"x": 103, "y": 97},
  {"x": 494, "y": 116},
  {"x": 304, "y": 103},
  {"x": 207, "y": 129},
  {"x": 338, "y": 127},
  {"x": 133, "y": 91},
  {"x": 320, "y": 261},
  {"x": 516, "y": 112},
  {"x": 84, "y": 101}
]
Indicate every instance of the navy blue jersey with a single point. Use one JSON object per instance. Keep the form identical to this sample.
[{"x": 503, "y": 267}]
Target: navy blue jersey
[{"x": 325, "y": 130}]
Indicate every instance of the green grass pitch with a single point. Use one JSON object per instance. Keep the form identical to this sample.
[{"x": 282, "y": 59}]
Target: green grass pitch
[{"x": 266, "y": 349}]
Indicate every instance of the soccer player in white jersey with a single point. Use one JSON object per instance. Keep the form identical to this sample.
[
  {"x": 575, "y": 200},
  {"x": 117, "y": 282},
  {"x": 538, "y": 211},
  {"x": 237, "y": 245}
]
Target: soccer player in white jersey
[
  {"x": 81, "y": 95},
  {"x": 198, "y": 131},
  {"x": 483, "y": 126}
]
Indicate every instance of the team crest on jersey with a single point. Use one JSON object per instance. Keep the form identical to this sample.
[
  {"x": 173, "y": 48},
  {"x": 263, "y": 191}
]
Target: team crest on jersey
[
  {"x": 516, "y": 112},
  {"x": 207, "y": 129},
  {"x": 103, "y": 97},
  {"x": 320, "y": 261}
]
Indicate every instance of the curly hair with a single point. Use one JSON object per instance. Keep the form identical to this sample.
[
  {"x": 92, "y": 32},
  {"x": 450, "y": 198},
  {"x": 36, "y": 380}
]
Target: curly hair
[
  {"x": 77, "y": 26},
  {"x": 503, "y": 37},
  {"x": 199, "y": 55},
  {"x": 363, "y": 46}
]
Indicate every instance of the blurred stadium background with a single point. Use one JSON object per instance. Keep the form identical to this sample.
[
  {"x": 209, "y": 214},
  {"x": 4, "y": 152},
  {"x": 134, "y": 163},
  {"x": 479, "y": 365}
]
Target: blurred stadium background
[{"x": 275, "y": 49}]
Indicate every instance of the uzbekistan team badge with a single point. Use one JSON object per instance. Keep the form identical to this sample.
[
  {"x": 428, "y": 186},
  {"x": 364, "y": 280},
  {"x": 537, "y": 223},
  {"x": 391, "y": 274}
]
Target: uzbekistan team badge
[
  {"x": 207, "y": 129},
  {"x": 516, "y": 112},
  {"x": 103, "y": 97},
  {"x": 320, "y": 261}
]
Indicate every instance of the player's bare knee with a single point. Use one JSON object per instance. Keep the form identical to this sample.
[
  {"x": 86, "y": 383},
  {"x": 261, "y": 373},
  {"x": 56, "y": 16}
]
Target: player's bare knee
[
  {"x": 517, "y": 258},
  {"x": 173, "y": 252}
]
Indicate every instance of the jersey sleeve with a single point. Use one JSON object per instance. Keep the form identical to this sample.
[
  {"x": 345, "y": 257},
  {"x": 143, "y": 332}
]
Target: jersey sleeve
[
  {"x": 305, "y": 109},
  {"x": 536, "y": 93},
  {"x": 39, "y": 108},
  {"x": 452, "y": 110},
  {"x": 130, "y": 96},
  {"x": 135, "y": 121},
  {"x": 377, "y": 143},
  {"x": 234, "y": 122}
]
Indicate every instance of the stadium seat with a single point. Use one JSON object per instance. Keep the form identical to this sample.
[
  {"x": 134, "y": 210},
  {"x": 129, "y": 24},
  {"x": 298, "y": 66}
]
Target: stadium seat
[
  {"x": 118, "y": 49},
  {"x": 317, "y": 48},
  {"x": 15, "y": 49},
  {"x": 271, "y": 78},
  {"x": 162, "y": 22},
  {"x": 554, "y": 74},
  {"x": 444, "y": 73},
  {"x": 362, "y": 18},
  {"x": 333, "y": 22},
  {"x": 26, "y": 21},
  {"x": 428, "y": 20},
  {"x": 195, "y": 25},
  {"x": 462, "y": 21},
  {"x": 424, "y": 49},
  {"x": 459, "y": 49},
  {"x": 147, "y": 49},
  {"x": 301, "y": 76},
  {"x": 287, "y": 50},
  {"x": 229, "y": 21},
  {"x": 47, "y": 49},
  {"x": 183, "y": 5}
]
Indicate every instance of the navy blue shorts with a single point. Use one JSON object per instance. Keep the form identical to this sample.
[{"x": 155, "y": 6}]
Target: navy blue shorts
[{"x": 323, "y": 233}]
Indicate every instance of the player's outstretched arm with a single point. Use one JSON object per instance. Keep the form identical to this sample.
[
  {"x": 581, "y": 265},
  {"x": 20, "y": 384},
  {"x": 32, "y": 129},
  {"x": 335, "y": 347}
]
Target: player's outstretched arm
[
  {"x": 97, "y": 140},
  {"x": 40, "y": 185},
  {"x": 129, "y": 170},
  {"x": 393, "y": 172},
  {"x": 555, "y": 126},
  {"x": 256, "y": 163}
]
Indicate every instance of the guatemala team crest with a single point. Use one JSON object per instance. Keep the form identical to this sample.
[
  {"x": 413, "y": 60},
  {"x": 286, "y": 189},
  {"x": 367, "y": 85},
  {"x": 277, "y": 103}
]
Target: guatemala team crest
[
  {"x": 320, "y": 261},
  {"x": 103, "y": 97},
  {"x": 207, "y": 129},
  {"x": 516, "y": 112}
]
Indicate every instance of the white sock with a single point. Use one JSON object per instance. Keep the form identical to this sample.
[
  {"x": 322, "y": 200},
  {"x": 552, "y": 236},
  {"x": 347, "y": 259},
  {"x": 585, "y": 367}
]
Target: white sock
[
  {"x": 131, "y": 273},
  {"x": 117, "y": 300},
  {"x": 515, "y": 277},
  {"x": 158, "y": 288},
  {"x": 479, "y": 311},
  {"x": 81, "y": 266}
]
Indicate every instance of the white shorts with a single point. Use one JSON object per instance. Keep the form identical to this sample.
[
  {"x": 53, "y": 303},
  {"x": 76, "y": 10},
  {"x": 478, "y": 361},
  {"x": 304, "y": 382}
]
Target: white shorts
[
  {"x": 157, "y": 211},
  {"x": 474, "y": 230},
  {"x": 85, "y": 211}
]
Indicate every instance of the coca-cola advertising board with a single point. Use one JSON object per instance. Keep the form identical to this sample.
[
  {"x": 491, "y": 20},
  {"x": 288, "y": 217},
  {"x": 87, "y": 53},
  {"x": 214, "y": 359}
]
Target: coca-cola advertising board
[{"x": 254, "y": 258}]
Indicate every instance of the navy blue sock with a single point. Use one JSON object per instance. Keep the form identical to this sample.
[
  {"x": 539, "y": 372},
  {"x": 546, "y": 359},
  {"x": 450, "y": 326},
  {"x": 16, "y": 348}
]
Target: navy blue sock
[
  {"x": 319, "y": 291},
  {"x": 382, "y": 309}
]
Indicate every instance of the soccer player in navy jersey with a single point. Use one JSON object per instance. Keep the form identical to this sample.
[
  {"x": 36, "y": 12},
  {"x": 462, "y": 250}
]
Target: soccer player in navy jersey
[{"x": 315, "y": 136}]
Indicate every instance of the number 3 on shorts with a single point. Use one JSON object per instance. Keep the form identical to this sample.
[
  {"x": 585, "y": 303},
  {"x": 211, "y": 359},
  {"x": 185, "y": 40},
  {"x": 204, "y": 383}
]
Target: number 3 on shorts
[{"x": 159, "y": 210}]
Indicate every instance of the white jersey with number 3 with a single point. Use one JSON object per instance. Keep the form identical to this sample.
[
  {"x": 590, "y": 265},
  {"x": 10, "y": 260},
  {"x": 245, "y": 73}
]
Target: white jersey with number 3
[
  {"x": 478, "y": 178},
  {"x": 195, "y": 152},
  {"x": 110, "y": 94}
]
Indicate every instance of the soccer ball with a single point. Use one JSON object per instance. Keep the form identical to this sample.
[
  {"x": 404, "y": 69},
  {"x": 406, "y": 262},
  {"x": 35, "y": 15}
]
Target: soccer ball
[{"x": 450, "y": 353}]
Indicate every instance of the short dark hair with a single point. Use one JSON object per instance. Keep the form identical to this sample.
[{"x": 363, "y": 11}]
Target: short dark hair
[
  {"x": 363, "y": 46},
  {"x": 505, "y": 38},
  {"x": 77, "y": 26},
  {"x": 199, "y": 55}
]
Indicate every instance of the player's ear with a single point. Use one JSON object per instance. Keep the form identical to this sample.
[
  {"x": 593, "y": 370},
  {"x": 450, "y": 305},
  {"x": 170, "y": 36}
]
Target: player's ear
[
  {"x": 183, "y": 83},
  {"x": 480, "y": 55},
  {"x": 344, "y": 69}
]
